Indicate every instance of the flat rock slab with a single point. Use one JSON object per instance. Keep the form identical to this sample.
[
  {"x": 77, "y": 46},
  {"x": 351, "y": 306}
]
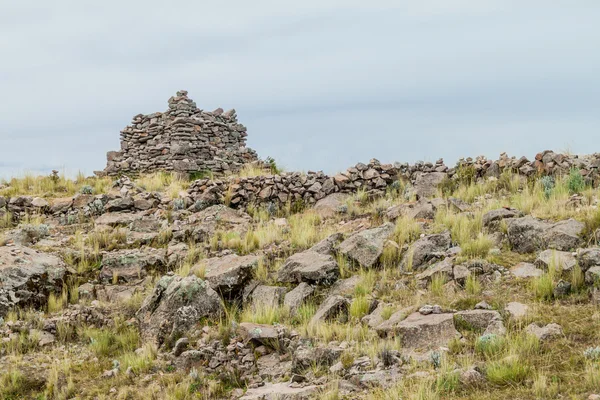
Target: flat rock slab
[
  {"x": 228, "y": 275},
  {"x": 280, "y": 391},
  {"x": 419, "y": 331},
  {"x": 265, "y": 334},
  {"x": 516, "y": 310},
  {"x": 130, "y": 265},
  {"x": 526, "y": 270},
  {"x": 562, "y": 260},
  {"x": 331, "y": 308}
]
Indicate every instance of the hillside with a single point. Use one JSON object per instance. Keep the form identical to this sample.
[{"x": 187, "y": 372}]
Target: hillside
[{"x": 385, "y": 281}]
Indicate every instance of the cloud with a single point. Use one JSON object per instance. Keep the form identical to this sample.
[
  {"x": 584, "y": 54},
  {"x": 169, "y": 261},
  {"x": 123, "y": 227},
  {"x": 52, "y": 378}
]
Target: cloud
[{"x": 320, "y": 84}]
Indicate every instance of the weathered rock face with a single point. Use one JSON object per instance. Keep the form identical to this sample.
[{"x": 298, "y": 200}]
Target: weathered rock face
[
  {"x": 588, "y": 258},
  {"x": 427, "y": 249},
  {"x": 131, "y": 265},
  {"x": 296, "y": 297},
  {"x": 330, "y": 205},
  {"x": 422, "y": 331},
  {"x": 228, "y": 275},
  {"x": 315, "y": 265},
  {"x": 184, "y": 139},
  {"x": 529, "y": 234},
  {"x": 365, "y": 247},
  {"x": 493, "y": 217},
  {"x": 27, "y": 277},
  {"x": 562, "y": 260},
  {"x": 175, "y": 305},
  {"x": 332, "y": 307},
  {"x": 426, "y": 184}
]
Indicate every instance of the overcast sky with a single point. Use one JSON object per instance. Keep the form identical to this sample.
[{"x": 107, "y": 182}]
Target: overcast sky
[{"x": 320, "y": 84}]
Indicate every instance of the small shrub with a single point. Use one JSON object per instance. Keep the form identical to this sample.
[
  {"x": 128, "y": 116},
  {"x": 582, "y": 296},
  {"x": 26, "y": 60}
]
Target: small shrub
[
  {"x": 86, "y": 189},
  {"x": 489, "y": 344},
  {"x": 547, "y": 183},
  {"x": 575, "y": 181}
]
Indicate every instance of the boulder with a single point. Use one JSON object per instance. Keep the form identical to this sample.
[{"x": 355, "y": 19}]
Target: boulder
[
  {"x": 297, "y": 296},
  {"x": 587, "y": 258},
  {"x": 203, "y": 225},
  {"x": 422, "y": 209},
  {"x": 426, "y": 184},
  {"x": 478, "y": 319},
  {"x": 366, "y": 246},
  {"x": 261, "y": 333},
  {"x": 427, "y": 249},
  {"x": 229, "y": 274},
  {"x": 116, "y": 219},
  {"x": 175, "y": 305},
  {"x": 309, "y": 266},
  {"x": 268, "y": 296},
  {"x": 516, "y": 310},
  {"x": 27, "y": 277},
  {"x": 565, "y": 235},
  {"x": 419, "y": 331},
  {"x": 119, "y": 204},
  {"x": 332, "y": 307},
  {"x": 528, "y": 234},
  {"x": 562, "y": 260},
  {"x": 281, "y": 391},
  {"x": 443, "y": 267},
  {"x": 131, "y": 265},
  {"x": 547, "y": 332},
  {"x": 526, "y": 270},
  {"x": 331, "y": 205},
  {"x": 592, "y": 275},
  {"x": 492, "y": 217}
]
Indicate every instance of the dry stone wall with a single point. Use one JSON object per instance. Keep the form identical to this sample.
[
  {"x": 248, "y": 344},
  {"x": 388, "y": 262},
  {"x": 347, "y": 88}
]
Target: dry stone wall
[
  {"x": 183, "y": 139},
  {"x": 374, "y": 178}
]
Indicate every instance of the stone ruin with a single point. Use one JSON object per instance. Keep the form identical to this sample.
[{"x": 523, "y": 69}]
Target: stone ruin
[{"x": 183, "y": 139}]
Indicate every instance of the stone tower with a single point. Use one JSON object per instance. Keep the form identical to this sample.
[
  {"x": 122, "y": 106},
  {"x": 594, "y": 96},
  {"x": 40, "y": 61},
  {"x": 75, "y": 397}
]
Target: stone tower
[{"x": 183, "y": 139}]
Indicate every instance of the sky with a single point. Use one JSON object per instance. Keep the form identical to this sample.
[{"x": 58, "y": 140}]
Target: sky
[{"x": 320, "y": 84}]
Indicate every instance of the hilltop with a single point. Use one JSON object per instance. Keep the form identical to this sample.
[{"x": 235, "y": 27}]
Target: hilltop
[{"x": 385, "y": 281}]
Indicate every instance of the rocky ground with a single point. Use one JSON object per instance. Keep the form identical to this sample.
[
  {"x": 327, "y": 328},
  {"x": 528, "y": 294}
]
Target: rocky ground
[{"x": 127, "y": 289}]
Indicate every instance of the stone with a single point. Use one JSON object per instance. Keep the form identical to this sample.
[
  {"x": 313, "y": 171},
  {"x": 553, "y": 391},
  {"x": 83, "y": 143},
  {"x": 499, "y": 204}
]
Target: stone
[
  {"x": 280, "y": 391},
  {"x": 592, "y": 275},
  {"x": 427, "y": 249},
  {"x": 526, "y": 270},
  {"x": 478, "y": 319},
  {"x": 516, "y": 310},
  {"x": 332, "y": 307},
  {"x": 268, "y": 296},
  {"x": 587, "y": 258},
  {"x": 40, "y": 202},
  {"x": 543, "y": 333},
  {"x": 175, "y": 305},
  {"x": 180, "y": 346},
  {"x": 528, "y": 234},
  {"x": 426, "y": 184},
  {"x": 28, "y": 277},
  {"x": 419, "y": 331},
  {"x": 309, "y": 266},
  {"x": 130, "y": 265},
  {"x": 366, "y": 247},
  {"x": 229, "y": 274},
  {"x": 116, "y": 219},
  {"x": 119, "y": 204},
  {"x": 297, "y": 296},
  {"x": 443, "y": 268},
  {"x": 562, "y": 260},
  {"x": 203, "y": 225},
  {"x": 494, "y": 216},
  {"x": 329, "y": 206},
  {"x": 262, "y": 333}
]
